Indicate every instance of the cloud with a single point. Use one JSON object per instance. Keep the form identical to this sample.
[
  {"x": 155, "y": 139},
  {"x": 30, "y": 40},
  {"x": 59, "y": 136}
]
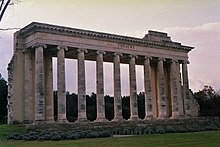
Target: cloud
[{"x": 205, "y": 58}]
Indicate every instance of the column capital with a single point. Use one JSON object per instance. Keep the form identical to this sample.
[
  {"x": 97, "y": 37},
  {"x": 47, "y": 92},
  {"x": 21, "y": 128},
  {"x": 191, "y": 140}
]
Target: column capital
[
  {"x": 174, "y": 61},
  {"x": 60, "y": 47},
  {"x": 184, "y": 61},
  {"x": 37, "y": 45},
  {"x": 148, "y": 58},
  {"x": 27, "y": 50},
  {"x": 100, "y": 52},
  {"x": 117, "y": 54},
  {"x": 82, "y": 50},
  {"x": 160, "y": 58},
  {"x": 133, "y": 56}
]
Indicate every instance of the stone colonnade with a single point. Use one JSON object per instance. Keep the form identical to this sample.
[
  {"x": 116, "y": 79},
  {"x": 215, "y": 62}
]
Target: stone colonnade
[{"x": 41, "y": 72}]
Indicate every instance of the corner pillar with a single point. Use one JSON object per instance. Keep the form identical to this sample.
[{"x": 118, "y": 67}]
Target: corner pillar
[
  {"x": 186, "y": 96},
  {"x": 39, "y": 83},
  {"x": 29, "y": 98}
]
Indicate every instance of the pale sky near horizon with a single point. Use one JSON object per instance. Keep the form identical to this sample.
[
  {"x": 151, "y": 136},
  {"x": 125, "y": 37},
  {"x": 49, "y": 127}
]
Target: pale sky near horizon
[{"x": 192, "y": 22}]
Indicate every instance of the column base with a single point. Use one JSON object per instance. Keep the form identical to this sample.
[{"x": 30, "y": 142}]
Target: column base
[
  {"x": 101, "y": 120},
  {"x": 149, "y": 117},
  {"x": 51, "y": 120},
  {"x": 175, "y": 115},
  {"x": 82, "y": 120},
  {"x": 118, "y": 118},
  {"x": 134, "y": 118},
  {"x": 62, "y": 121},
  {"x": 162, "y": 116}
]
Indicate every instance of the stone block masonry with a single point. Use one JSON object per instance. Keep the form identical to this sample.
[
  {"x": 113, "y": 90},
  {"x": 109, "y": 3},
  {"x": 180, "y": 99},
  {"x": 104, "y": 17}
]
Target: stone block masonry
[{"x": 30, "y": 98}]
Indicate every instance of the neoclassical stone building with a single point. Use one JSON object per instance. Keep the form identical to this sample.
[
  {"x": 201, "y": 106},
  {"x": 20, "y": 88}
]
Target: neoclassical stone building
[{"x": 30, "y": 78}]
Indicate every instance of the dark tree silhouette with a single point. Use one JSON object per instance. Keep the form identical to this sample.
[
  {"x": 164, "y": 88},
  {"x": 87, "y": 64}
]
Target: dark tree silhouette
[
  {"x": 126, "y": 107},
  {"x": 209, "y": 101},
  {"x": 109, "y": 107},
  {"x": 3, "y": 100}
]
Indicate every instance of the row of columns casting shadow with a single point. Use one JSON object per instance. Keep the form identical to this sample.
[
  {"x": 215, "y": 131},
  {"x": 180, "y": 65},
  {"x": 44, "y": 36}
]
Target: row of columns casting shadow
[{"x": 44, "y": 98}]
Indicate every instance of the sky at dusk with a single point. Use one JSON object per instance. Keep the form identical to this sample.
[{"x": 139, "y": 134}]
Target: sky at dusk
[{"x": 192, "y": 22}]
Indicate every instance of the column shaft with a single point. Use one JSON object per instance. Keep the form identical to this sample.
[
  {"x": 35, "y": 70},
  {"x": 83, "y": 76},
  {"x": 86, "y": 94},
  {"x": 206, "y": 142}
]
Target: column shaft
[
  {"x": 39, "y": 85},
  {"x": 133, "y": 89},
  {"x": 117, "y": 89},
  {"x": 61, "y": 85},
  {"x": 29, "y": 100},
  {"x": 174, "y": 89},
  {"x": 100, "y": 88},
  {"x": 180, "y": 96},
  {"x": 81, "y": 86},
  {"x": 49, "y": 88},
  {"x": 148, "y": 90},
  {"x": 186, "y": 95},
  {"x": 161, "y": 91}
]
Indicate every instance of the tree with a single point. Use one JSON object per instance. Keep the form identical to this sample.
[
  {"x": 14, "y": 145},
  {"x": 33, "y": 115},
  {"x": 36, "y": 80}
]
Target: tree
[
  {"x": 209, "y": 101},
  {"x": 3, "y": 6},
  {"x": 3, "y": 99}
]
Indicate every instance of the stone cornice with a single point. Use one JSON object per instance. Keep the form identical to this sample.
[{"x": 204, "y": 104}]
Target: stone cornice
[{"x": 60, "y": 30}]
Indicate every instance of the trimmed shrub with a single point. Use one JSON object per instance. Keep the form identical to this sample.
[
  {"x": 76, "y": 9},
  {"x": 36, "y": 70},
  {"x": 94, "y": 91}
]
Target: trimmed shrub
[
  {"x": 211, "y": 127},
  {"x": 149, "y": 130},
  {"x": 170, "y": 129},
  {"x": 116, "y": 131},
  {"x": 126, "y": 131},
  {"x": 138, "y": 130},
  {"x": 104, "y": 134},
  {"x": 181, "y": 129},
  {"x": 92, "y": 135},
  {"x": 56, "y": 138},
  {"x": 160, "y": 130},
  {"x": 193, "y": 128}
]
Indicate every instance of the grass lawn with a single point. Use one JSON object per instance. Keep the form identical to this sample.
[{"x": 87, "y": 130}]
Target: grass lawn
[
  {"x": 209, "y": 139},
  {"x": 6, "y": 130}
]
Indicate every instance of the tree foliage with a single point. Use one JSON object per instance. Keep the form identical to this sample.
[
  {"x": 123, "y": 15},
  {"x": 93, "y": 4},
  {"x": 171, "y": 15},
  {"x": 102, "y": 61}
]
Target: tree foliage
[
  {"x": 209, "y": 101},
  {"x": 91, "y": 106}
]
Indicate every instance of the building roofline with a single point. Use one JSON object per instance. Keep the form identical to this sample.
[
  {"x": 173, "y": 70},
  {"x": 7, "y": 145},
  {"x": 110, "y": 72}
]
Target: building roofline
[{"x": 55, "y": 29}]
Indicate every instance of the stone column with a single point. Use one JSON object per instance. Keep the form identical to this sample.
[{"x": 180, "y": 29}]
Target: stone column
[
  {"x": 133, "y": 89},
  {"x": 179, "y": 88},
  {"x": 49, "y": 88},
  {"x": 81, "y": 86},
  {"x": 174, "y": 89},
  {"x": 39, "y": 83},
  {"x": 161, "y": 90},
  {"x": 186, "y": 95},
  {"x": 117, "y": 88},
  {"x": 61, "y": 85},
  {"x": 148, "y": 90},
  {"x": 29, "y": 100},
  {"x": 100, "y": 87}
]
